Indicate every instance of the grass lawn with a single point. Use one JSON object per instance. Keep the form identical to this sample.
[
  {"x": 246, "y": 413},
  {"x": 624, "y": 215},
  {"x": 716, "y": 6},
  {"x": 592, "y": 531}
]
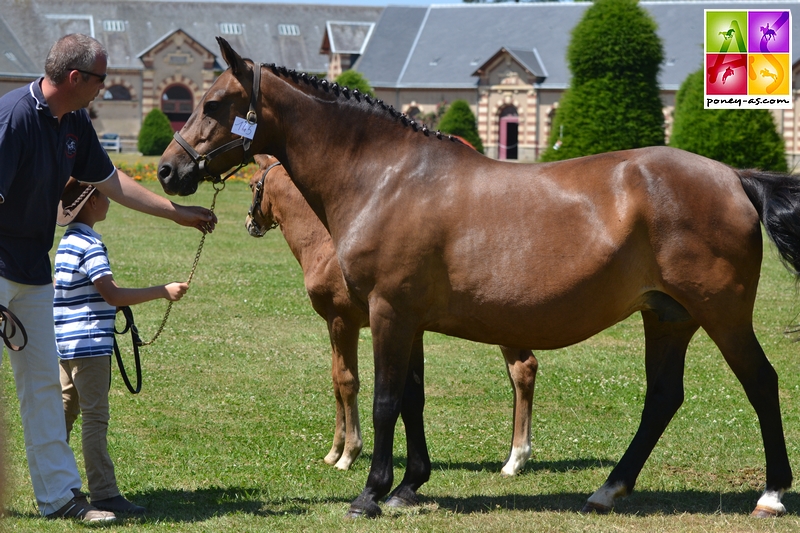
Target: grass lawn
[{"x": 237, "y": 412}]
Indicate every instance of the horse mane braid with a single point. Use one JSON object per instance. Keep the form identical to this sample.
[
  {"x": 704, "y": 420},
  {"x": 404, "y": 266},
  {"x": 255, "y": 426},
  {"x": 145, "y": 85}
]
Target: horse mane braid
[{"x": 338, "y": 90}]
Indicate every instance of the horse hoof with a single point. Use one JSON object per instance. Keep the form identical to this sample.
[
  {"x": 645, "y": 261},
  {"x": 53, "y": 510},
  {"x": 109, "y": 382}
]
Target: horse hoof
[
  {"x": 765, "y": 512},
  {"x": 397, "y": 502},
  {"x": 595, "y": 508},
  {"x": 370, "y": 511}
]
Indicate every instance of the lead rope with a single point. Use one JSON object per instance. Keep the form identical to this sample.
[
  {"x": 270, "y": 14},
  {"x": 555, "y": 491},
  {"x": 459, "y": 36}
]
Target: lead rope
[{"x": 194, "y": 265}]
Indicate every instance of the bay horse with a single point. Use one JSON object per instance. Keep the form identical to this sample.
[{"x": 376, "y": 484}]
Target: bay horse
[
  {"x": 432, "y": 236},
  {"x": 277, "y": 203}
]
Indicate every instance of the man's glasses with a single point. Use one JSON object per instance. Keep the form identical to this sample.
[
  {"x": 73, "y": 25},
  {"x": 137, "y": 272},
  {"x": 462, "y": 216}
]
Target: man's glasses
[{"x": 101, "y": 77}]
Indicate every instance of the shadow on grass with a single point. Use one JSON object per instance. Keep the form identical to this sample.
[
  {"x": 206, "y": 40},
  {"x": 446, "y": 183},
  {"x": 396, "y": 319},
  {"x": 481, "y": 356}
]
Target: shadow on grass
[
  {"x": 530, "y": 466},
  {"x": 174, "y": 505},
  {"x": 200, "y": 505},
  {"x": 640, "y": 503},
  {"x": 196, "y": 506}
]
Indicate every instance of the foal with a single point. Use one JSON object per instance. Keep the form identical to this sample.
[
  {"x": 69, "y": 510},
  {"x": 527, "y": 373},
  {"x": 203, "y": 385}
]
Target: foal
[{"x": 278, "y": 203}]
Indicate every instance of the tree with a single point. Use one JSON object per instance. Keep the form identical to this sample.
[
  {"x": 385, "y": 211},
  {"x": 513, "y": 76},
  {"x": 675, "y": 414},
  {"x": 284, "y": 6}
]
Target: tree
[
  {"x": 156, "y": 133},
  {"x": 742, "y": 138},
  {"x": 459, "y": 120},
  {"x": 354, "y": 80},
  {"x": 613, "y": 102}
]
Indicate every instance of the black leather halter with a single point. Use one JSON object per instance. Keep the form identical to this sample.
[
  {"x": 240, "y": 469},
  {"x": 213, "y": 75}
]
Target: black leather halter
[
  {"x": 204, "y": 161},
  {"x": 258, "y": 193}
]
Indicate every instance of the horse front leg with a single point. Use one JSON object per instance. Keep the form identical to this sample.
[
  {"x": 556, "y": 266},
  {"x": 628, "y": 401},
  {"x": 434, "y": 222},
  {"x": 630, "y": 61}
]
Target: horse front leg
[
  {"x": 665, "y": 354},
  {"x": 347, "y": 443},
  {"x": 391, "y": 343},
  {"x": 418, "y": 469},
  {"x": 522, "y": 367}
]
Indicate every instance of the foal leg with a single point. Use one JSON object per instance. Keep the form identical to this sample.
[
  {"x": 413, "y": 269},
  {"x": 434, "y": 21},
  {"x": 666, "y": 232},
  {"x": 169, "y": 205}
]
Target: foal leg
[
  {"x": 391, "y": 342},
  {"x": 521, "y": 366},
  {"x": 744, "y": 355},
  {"x": 665, "y": 354},
  {"x": 347, "y": 442},
  {"x": 418, "y": 469}
]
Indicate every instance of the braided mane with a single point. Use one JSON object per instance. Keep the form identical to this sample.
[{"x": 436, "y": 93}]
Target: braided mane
[{"x": 354, "y": 94}]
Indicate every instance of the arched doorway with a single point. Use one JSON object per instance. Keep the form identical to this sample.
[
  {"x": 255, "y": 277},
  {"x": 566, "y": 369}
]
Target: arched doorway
[
  {"x": 177, "y": 103},
  {"x": 509, "y": 133}
]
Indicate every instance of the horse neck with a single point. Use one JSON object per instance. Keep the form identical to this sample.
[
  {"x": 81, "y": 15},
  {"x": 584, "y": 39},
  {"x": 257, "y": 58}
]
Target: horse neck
[
  {"x": 302, "y": 229},
  {"x": 325, "y": 144}
]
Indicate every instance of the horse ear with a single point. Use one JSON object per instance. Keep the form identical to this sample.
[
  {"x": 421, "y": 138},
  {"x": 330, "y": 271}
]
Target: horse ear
[{"x": 234, "y": 60}]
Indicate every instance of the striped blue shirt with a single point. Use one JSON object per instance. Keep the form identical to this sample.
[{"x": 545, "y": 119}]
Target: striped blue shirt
[{"x": 84, "y": 322}]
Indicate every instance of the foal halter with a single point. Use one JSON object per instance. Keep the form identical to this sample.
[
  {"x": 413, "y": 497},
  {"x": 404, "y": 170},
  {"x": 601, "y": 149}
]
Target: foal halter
[
  {"x": 258, "y": 193},
  {"x": 204, "y": 161}
]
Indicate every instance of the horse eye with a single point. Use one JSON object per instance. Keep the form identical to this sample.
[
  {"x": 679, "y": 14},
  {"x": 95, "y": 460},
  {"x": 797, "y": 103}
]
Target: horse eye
[{"x": 210, "y": 107}]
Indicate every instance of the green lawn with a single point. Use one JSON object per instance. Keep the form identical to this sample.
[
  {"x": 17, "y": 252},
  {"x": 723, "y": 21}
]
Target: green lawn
[{"x": 236, "y": 411}]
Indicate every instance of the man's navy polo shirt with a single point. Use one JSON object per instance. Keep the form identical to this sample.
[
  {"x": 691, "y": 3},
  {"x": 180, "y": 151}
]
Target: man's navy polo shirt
[{"x": 37, "y": 156}]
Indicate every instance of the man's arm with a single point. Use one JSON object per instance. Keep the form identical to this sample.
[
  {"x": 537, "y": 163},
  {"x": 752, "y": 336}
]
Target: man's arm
[{"x": 125, "y": 191}]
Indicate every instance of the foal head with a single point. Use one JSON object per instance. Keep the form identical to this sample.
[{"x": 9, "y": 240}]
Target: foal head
[{"x": 260, "y": 218}]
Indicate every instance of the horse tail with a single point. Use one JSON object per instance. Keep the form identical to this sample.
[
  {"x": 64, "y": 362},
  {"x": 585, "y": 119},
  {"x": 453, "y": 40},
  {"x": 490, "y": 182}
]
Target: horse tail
[{"x": 776, "y": 197}]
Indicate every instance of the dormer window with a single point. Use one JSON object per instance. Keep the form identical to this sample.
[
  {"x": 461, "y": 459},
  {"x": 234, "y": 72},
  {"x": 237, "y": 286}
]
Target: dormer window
[
  {"x": 288, "y": 29},
  {"x": 230, "y": 28},
  {"x": 113, "y": 25}
]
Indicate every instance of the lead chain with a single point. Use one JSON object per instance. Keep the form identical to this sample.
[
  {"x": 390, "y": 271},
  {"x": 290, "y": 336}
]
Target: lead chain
[{"x": 194, "y": 267}]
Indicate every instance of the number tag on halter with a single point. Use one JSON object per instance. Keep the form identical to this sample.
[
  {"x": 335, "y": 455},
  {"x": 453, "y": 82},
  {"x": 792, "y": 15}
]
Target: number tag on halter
[{"x": 244, "y": 128}]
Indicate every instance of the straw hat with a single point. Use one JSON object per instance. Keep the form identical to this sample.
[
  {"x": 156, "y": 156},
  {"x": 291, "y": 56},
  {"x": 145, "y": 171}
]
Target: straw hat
[{"x": 73, "y": 198}]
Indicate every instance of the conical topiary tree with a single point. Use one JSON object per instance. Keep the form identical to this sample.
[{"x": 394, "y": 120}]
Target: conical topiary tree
[
  {"x": 156, "y": 133},
  {"x": 613, "y": 102},
  {"x": 354, "y": 80},
  {"x": 459, "y": 120},
  {"x": 742, "y": 138}
]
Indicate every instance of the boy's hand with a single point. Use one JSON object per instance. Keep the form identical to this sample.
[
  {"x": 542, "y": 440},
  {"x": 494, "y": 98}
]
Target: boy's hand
[{"x": 175, "y": 291}]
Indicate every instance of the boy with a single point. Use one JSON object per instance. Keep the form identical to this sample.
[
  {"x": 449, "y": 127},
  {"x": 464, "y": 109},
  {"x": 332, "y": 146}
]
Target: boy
[{"x": 86, "y": 298}]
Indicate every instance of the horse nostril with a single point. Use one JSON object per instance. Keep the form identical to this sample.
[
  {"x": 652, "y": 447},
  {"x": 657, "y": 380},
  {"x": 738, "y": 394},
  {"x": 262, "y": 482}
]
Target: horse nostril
[{"x": 165, "y": 171}]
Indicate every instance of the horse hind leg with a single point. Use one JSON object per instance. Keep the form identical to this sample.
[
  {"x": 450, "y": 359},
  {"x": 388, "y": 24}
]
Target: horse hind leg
[
  {"x": 668, "y": 331},
  {"x": 522, "y": 367},
  {"x": 743, "y": 353},
  {"x": 347, "y": 443}
]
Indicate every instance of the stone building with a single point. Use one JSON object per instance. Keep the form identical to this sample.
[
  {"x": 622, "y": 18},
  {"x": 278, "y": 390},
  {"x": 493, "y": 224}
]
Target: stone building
[
  {"x": 508, "y": 61},
  {"x": 164, "y": 54}
]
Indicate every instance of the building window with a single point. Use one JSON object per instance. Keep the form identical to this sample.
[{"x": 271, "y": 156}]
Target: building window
[
  {"x": 230, "y": 28},
  {"x": 178, "y": 59},
  {"x": 113, "y": 25},
  {"x": 177, "y": 104},
  {"x": 117, "y": 92},
  {"x": 288, "y": 29}
]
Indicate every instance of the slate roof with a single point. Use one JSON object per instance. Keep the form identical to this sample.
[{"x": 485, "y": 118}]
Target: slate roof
[
  {"x": 442, "y": 46},
  {"x": 346, "y": 37},
  {"x": 13, "y": 58},
  {"x": 36, "y": 24}
]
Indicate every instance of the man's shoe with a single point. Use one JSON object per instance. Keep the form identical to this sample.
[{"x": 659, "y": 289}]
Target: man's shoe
[
  {"x": 118, "y": 504},
  {"x": 80, "y": 509}
]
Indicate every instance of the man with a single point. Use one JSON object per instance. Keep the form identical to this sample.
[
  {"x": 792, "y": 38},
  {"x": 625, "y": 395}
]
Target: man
[{"x": 46, "y": 137}]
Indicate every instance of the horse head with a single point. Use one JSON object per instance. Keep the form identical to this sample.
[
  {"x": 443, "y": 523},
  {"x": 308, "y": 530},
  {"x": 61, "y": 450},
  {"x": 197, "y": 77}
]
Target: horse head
[
  {"x": 213, "y": 140},
  {"x": 260, "y": 217}
]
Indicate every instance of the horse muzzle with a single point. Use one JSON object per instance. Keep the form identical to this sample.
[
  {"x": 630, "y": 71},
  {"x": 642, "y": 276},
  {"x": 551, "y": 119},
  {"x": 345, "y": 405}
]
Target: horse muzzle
[
  {"x": 173, "y": 181},
  {"x": 253, "y": 228}
]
